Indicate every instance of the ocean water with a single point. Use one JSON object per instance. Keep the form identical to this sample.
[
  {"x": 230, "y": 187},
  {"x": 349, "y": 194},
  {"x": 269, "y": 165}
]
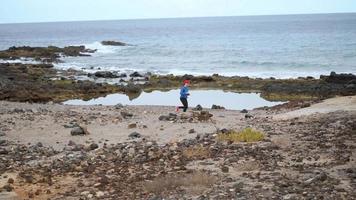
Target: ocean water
[
  {"x": 257, "y": 46},
  {"x": 230, "y": 100}
]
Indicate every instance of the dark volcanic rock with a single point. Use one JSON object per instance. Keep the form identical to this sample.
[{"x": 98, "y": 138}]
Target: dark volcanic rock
[
  {"x": 113, "y": 43},
  {"x": 243, "y": 111},
  {"x": 217, "y": 107},
  {"x": 339, "y": 78},
  {"x": 126, "y": 115},
  {"x": 198, "y": 108},
  {"x": 80, "y": 130},
  {"x": 169, "y": 117},
  {"x": 202, "y": 115},
  {"x": 49, "y": 54},
  {"x": 134, "y": 135},
  {"x": 105, "y": 74},
  {"x": 93, "y": 146},
  {"x": 136, "y": 74},
  {"x": 248, "y": 116}
]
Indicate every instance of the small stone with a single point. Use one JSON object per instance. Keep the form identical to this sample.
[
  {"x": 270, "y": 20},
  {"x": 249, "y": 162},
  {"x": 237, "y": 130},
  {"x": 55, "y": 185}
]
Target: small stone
[
  {"x": 118, "y": 106},
  {"x": 133, "y": 125},
  {"x": 10, "y": 181},
  {"x": 134, "y": 135},
  {"x": 217, "y": 107},
  {"x": 244, "y": 111},
  {"x": 225, "y": 169},
  {"x": 198, "y": 108},
  {"x": 38, "y": 192},
  {"x": 248, "y": 116},
  {"x": 3, "y": 151},
  {"x": 126, "y": 115},
  {"x": 191, "y": 131},
  {"x": 8, "y": 188},
  {"x": 136, "y": 74},
  {"x": 71, "y": 143},
  {"x": 99, "y": 194},
  {"x": 93, "y": 146},
  {"x": 80, "y": 130}
]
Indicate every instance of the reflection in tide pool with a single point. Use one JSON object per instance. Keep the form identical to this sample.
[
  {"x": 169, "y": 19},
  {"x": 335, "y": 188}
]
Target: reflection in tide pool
[{"x": 206, "y": 98}]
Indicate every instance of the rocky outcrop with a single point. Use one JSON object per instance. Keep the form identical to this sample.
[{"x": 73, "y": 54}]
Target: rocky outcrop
[
  {"x": 340, "y": 78},
  {"x": 47, "y": 54},
  {"x": 36, "y": 83},
  {"x": 113, "y": 43}
]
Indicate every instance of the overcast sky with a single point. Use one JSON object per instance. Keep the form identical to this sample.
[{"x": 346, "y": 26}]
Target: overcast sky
[{"x": 13, "y": 11}]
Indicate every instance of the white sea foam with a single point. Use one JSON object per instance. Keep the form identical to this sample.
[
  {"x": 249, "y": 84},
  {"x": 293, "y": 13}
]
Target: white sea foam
[{"x": 21, "y": 60}]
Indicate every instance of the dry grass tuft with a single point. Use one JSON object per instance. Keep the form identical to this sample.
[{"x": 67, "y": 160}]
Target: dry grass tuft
[
  {"x": 246, "y": 135},
  {"x": 194, "y": 181},
  {"x": 196, "y": 152}
]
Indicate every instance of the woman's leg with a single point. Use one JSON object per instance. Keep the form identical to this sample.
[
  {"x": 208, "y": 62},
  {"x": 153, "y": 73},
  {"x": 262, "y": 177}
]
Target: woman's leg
[{"x": 185, "y": 104}]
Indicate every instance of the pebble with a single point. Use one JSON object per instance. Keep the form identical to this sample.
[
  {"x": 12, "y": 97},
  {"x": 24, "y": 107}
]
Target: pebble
[{"x": 134, "y": 135}]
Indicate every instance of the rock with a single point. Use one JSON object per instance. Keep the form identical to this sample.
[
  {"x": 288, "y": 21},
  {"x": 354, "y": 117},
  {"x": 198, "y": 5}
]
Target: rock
[
  {"x": 198, "y": 108},
  {"x": 202, "y": 115},
  {"x": 163, "y": 118},
  {"x": 133, "y": 125},
  {"x": 136, "y": 74},
  {"x": 339, "y": 78},
  {"x": 105, "y": 74},
  {"x": 8, "y": 188},
  {"x": 169, "y": 117},
  {"x": 248, "y": 116},
  {"x": 71, "y": 143},
  {"x": 93, "y": 146},
  {"x": 3, "y": 151},
  {"x": 28, "y": 178},
  {"x": 80, "y": 130},
  {"x": 47, "y": 54},
  {"x": 217, "y": 107},
  {"x": 132, "y": 89},
  {"x": 290, "y": 197},
  {"x": 191, "y": 131},
  {"x": 118, "y": 106},
  {"x": 113, "y": 43},
  {"x": 10, "y": 181},
  {"x": 2, "y": 134},
  {"x": 243, "y": 111},
  {"x": 3, "y": 142},
  {"x": 225, "y": 169},
  {"x": 126, "y": 115},
  {"x": 318, "y": 178},
  {"x": 99, "y": 194},
  {"x": 135, "y": 135}
]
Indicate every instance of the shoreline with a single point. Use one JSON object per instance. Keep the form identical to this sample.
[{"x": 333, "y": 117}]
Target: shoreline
[{"x": 43, "y": 83}]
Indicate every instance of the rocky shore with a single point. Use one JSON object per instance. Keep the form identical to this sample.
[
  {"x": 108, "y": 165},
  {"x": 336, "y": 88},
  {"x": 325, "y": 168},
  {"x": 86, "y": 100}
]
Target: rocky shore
[
  {"x": 304, "y": 149},
  {"x": 143, "y": 152},
  {"x": 42, "y": 82}
]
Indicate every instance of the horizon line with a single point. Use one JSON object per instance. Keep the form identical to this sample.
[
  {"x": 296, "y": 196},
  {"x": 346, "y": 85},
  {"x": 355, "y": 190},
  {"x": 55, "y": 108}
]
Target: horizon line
[{"x": 162, "y": 18}]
